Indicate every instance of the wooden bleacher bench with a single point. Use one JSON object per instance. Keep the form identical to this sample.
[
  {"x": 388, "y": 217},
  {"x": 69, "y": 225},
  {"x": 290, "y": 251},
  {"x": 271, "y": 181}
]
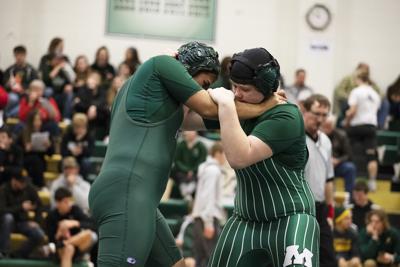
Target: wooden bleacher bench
[{"x": 35, "y": 263}]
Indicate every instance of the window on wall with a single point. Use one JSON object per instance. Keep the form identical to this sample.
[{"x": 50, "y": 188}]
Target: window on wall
[{"x": 170, "y": 19}]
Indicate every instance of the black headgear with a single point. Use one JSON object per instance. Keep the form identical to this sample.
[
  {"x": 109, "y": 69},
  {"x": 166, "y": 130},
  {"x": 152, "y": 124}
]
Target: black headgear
[
  {"x": 257, "y": 67},
  {"x": 197, "y": 57}
]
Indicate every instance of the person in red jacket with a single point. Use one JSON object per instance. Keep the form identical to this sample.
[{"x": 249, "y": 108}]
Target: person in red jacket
[{"x": 35, "y": 100}]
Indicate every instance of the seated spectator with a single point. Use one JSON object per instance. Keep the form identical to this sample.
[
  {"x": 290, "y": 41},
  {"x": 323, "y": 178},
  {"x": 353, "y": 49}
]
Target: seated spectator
[
  {"x": 379, "y": 242},
  {"x": 78, "y": 143},
  {"x": 56, "y": 47},
  {"x": 11, "y": 156},
  {"x": 345, "y": 240},
  {"x": 132, "y": 60},
  {"x": 17, "y": 79},
  {"x": 361, "y": 204},
  {"x": 101, "y": 65},
  {"x": 20, "y": 208},
  {"x": 35, "y": 99},
  {"x": 393, "y": 95},
  {"x": 112, "y": 92},
  {"x": 91, "y": 99},
  {"x": 69, "y": 228},
  {"x": 37, "y": 142},
  {"x": 362, "y": 121},
  {"x": 299, "y": 91},
  {"x": 82, "y": 70},
  {"x": 207, "y": 209},
  {"x": 190, "y": 153},
  {"x": 124, "y": 71},
  {"x": 341, "y": 154},
  {"x": 74, "y": 182}
]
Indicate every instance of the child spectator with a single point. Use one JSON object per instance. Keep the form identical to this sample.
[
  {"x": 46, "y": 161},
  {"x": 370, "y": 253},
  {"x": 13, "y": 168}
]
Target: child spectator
[{"x": 345, "y": 240}]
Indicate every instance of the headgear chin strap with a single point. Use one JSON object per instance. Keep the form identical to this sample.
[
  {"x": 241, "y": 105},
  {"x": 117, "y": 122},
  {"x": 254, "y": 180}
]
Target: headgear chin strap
[
  {"x": 265, "y": 76},
  {"x": 198, "y": 57}
]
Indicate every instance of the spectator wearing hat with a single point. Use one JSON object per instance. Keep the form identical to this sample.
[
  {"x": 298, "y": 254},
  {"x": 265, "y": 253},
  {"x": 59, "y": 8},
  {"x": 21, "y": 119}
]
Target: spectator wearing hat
[
  {"x": 361, "y": 203},
  {"x": 20, "y": 207},
  {"x": 345, "y": 239},
  {"x": 73, "y": 181}
]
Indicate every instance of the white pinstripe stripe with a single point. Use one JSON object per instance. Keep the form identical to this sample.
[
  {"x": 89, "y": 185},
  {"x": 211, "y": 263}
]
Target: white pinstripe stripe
[
  {"x": 287, "y": 189},
  {"x": 269, "y": 245},
  {"x": 269, "y": 189},
  {"x": 233, "y": 244},
  {"x": 305, "y": 232},
  {"x": 297, "y": 228},
  {"x": 276, "y": 242},
  {"x": 313, "y": 236},
  {"x": 279, "y": 191},
  {"x": 252, "y": 192},
  {"x": 298, "y": 193},
  {"x": 305, "y": 191},
  {"x": 286, "y": 228},
  {"x": 223, "y": 245},
  {"x": 241, "y": 250},
  {"x": 252, "y": 236},
  {"x": 245, "y": 198},
  {"x": 261, "y": 193},
  {"x": 262, "y": 226},
  {"x": 240, "y": 197}
]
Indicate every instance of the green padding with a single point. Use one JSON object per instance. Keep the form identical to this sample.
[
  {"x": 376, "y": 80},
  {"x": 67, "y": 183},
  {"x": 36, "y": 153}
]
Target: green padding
[
  {"x": 388, "y": 138},
  {"x": 174, "y": 208},
  {"x": 391, "y": 155},
  {"x": 99, "y": 149},
  {"x": 34, "y": 263}
]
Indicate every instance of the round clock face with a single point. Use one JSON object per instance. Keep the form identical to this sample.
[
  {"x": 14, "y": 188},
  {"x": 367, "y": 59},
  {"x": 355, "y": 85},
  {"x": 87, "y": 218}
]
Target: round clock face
[{"x": 318, "y": 17}]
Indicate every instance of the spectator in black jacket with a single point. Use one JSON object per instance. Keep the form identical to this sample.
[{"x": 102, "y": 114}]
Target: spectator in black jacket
[
  {"x": 341, "y": 154},
  {"x": 69, "y": 228},
  {"x": 11, "y": 156},
  {"x": 20, "y": 209},
  {"x": 77, "y": 142}
]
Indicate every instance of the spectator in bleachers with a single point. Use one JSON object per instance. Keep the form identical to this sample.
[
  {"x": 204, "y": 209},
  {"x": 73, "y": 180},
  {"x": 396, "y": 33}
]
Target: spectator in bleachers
[
  {"x": 123, "y": 71},
  {"x": 299, "y": 91},
  {"x": 101, "y": 64},
  {"x": 37, "y": 141},
  {"x": 361, "y": 204},
  {"x": 69, "y": 228},
  {"x": 91, "y": 100},
  {"x": 11, "y": 156},
  {"x": 78, "y": 143},
  {"x": 393, "y": 95},
  {"x": 207, "y": 209},
  {"x": 190, "y": 153},
  {"x": 56, "y": 47},
  {"x": 113, "y": 90},
  {"x": 379, "y": 242},
  {"x": 132, "y": 59},
  {"x": 82, "y": 70},
  {"x": 345, "y": 240},
  {"x": 17, "y": 78},
  {"x": 343, "y": 89},
  {"x": 73, "y": 181},
  {"x": 60, "y": 81},
  {"x": 20, "y": 207},
  {"x": 341, "y": 154},
  {"x": 362, "y": 122}
]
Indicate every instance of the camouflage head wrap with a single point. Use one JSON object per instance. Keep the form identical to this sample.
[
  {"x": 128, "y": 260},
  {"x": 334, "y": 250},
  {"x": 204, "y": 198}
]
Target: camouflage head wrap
[{"x": 198, "y": 57}]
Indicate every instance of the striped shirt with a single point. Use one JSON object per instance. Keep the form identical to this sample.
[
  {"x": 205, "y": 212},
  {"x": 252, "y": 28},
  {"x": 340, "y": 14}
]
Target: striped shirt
[{"x": 276, "y": 187}]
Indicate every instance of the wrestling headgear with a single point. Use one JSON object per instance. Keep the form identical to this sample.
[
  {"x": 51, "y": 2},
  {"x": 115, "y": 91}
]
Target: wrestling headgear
[
  {"x": 258, "y": 67},
  {"x": 198, "y": 57}
]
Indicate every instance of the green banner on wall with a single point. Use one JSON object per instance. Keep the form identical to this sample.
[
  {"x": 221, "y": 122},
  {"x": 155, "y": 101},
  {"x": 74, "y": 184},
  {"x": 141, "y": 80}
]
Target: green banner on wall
[{"x": 173, "y": 19}]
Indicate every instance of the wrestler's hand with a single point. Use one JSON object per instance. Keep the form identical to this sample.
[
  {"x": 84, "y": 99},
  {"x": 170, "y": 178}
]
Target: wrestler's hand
[
  {"x": 281, "y": 94},
  {"x": 221, "y": 95},
  {"x": 209, "y": 232}
]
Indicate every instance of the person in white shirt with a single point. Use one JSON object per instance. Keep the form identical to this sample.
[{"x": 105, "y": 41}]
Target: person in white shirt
[
  {"x": 362, "y": 121},
  {"x": 207, "y": 209},
  {"x": 71, "y": 179}
]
